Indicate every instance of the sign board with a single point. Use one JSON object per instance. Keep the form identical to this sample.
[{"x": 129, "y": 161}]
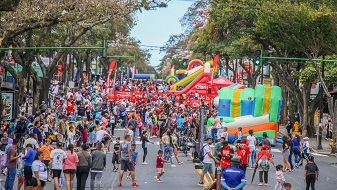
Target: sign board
[{"x": 8, "y": 100}]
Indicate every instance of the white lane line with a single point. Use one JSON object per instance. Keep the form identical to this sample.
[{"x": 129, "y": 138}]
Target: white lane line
[
  {"x": 275, "y": 150},
  {"x": 317, "y": 154}
]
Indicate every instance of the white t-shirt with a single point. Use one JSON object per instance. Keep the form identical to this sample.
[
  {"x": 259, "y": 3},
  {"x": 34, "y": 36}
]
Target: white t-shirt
[
  {"x": 206, "y": 150},
  {"x": 252, "y": 141},
  {"x": 130, "y": 133},
  {"x": 71, "y": 137},
  {"x": 57, "y": 155},
  {"x": 46, "y": 128},
  {"x": 41, "y": 168},
  {"x": 100, "y": 134}
]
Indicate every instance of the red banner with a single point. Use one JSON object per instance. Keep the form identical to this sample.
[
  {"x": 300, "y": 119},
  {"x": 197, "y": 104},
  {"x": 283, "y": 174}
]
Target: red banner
[{"x": 143, "y": 96}]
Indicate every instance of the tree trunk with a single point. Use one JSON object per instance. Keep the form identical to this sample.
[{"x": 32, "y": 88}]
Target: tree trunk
[{"x": 43, "y": 89}]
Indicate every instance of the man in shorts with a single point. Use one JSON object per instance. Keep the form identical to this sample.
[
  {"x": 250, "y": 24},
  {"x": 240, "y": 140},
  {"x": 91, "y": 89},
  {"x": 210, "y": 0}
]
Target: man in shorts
[
  {"x": 126, "y": 160},
  {"x": 57, "y": 157},
  {"x": 208, "y": 159}
]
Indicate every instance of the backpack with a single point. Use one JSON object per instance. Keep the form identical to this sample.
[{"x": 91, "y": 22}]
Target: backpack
[
  {"x": 264, "y": 164},
  {"x": 201, "y": 154}
]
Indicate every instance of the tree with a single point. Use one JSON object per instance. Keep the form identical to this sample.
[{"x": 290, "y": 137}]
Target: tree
[{"x": 59, "y": 23}]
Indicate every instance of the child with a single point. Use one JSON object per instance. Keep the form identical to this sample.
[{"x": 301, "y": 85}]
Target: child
[
  {"x": 160, "y": 165},
  {"x": 134, "y": 155},
  {"x": 279, "y": 177},
  {"x": 115, "y": 154},
  {"x": 287, "y": 186}
]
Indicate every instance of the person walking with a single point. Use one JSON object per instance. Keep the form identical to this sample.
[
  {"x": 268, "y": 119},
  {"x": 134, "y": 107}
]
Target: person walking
[
  {"x": 29, "y": 158},
  {"x": 279, "y": 177},
  {"x": 291, "y": 147},
  {"x": 169, "y": 140},
  {"x": 11, "y": 164},
  {"x": 251, "y": 140},
  {"x": 297, "y": 149},
  {"x": 98, "y": 165},
  {"x": 145, "y": 139},
  {"x": 83, "y": 166},
  {"x": 69, "y": 167},
  {"x": 233, "y": 177},
  {"x": 245, "y": 155},
  {"x": 207, "y": 162},
  {"x": 286, "y": 153},
  {"x": 160, "y": 165},
  {"x": 57, "y": 157},
  {"x": 126, "y": 161},
  {"x": 263, "y": 159},
  {"x": 305, "y": 150},
  {"x": 311, "y": 173},
  {"x": 46, "y": 149},
  {"x": 40, "y": 172}
]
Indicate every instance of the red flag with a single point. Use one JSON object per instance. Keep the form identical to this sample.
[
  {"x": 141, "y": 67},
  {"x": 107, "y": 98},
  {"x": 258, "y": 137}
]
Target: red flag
[{"x": 215, "y": 64}]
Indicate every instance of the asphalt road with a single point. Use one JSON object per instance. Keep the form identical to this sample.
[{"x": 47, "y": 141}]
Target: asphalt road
[{"x": 185, "y": 177}]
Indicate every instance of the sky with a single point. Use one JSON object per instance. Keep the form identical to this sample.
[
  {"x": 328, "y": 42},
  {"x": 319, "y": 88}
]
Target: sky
[{"x": 155, "y": 27}]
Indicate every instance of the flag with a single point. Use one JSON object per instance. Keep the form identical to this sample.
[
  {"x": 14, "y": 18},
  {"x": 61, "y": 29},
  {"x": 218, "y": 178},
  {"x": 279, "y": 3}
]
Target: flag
[
  {"x": 215, "y": 64},
  {"x": 111, "y": 68},
  {"x": 133, "y": 70}
]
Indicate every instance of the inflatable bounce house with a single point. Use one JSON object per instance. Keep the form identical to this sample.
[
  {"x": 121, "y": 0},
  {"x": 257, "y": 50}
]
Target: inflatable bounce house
[
  {"x": 197, "y": 78},
  {"x": 256, "y": 109}
]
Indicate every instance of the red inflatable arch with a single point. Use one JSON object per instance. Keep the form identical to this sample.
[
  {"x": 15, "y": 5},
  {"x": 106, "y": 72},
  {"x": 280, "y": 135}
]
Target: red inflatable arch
[{"x": 194, "y": 63}]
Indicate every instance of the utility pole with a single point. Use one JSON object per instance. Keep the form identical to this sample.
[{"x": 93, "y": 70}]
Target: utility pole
[{"x": 320, "y": 126}]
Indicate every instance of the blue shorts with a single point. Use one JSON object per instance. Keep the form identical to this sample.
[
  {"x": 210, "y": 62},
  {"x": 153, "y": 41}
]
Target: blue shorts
[
  {"x": 208, "y": 167},
  {"x": 286, "y": 153}
]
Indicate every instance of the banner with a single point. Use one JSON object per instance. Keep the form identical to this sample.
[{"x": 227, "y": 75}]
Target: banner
[
  {"x": 111, "y": 68},
  {"x": 215, "y": 64},
  {"x": 145, "y": 97},
  {"x": 8, "y": 101}
]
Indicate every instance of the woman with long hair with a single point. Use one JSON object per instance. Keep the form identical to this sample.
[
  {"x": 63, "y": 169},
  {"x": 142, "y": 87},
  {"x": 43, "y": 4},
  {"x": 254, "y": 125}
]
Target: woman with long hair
[
  {"x": 285, "y": 154},
  {"x": 145, "y": 139},
  {"x": 252, "y": 142},
  {"x": 83, "y": 166},
  {"x": 70, "y": 166},
  {"x": 40, "y": 173}
]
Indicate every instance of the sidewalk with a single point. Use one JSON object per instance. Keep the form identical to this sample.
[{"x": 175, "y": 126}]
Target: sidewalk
[{"x": 313, "y": 142}]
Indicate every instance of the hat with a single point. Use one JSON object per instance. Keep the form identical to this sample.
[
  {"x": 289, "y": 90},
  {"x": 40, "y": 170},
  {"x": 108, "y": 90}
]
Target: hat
[
  {"x": 306, "y": 138},
  {"x": 43, "y": 102},
  {"x": 265, "y": 147},
  {"x": 244, "y": 140},
  {"x": 21, "y": 118},
  {"x": 235, "y": 161}
]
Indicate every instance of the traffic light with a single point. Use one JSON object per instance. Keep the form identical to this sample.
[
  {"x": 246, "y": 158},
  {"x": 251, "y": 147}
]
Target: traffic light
[
  {"x": 257, "y": 57},
  {"x": 105, "y": 49}
]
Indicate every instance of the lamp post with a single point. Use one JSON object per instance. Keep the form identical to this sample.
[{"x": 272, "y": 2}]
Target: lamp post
[{"x": 320, "y": 126}]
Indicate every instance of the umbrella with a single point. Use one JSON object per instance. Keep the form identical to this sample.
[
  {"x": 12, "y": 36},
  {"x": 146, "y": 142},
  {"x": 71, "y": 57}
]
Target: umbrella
[{"x": 257, "y": 165}]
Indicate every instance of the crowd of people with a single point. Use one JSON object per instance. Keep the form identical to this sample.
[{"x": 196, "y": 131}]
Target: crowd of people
[
  {"x": 82, "y": 122},
  {"x": 251, "y": 153}
]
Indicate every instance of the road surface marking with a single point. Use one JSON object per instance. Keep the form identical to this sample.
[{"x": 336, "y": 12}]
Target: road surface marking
[
  {"x": 317, "y": 154},
  {"x": 275, "y": 150}
]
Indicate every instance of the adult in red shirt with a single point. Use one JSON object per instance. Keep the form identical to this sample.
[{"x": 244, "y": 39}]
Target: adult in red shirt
[
  {"x": 227, "y": 153},
  {"x": 70, "y": 108},
  {"x": 245, "y": 150},
  {"x": 263, "y": 159}
]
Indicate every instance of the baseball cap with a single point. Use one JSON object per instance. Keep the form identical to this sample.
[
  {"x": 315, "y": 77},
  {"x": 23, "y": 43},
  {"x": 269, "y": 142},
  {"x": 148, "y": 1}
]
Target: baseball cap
[{"x": 244, "y": 140}]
